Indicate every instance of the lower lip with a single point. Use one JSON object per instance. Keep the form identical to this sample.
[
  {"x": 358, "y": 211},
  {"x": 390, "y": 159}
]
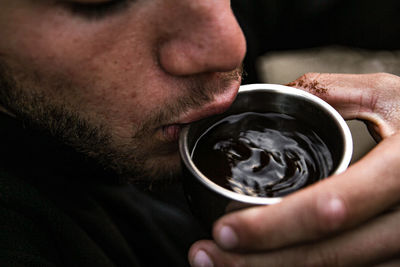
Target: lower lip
[{"x": 171, "y": 132}]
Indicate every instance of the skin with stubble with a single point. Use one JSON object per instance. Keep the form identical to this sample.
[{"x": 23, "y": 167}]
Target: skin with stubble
[{"x": 117, "y": 79}]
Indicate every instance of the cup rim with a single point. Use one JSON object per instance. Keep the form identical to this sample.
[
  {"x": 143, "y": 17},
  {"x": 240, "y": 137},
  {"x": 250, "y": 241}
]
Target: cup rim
[{"x": 342, "y": 166}]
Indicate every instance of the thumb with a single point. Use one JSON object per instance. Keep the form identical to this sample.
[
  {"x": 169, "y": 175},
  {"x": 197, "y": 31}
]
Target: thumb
[{"x": 374, "y": 98}]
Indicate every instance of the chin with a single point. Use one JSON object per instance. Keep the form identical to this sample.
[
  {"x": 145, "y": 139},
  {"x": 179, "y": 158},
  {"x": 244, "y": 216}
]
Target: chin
[{"x": 165, "y": 168}]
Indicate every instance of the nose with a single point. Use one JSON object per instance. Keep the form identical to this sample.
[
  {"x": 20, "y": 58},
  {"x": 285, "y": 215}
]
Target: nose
[{"x": 203, "y": 36}]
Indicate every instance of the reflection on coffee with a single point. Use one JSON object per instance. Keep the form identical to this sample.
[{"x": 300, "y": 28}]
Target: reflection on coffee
[{"x": 262, "y": 154}]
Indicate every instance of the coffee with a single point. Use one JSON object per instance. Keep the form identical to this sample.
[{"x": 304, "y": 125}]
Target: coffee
[{"x": 262, "y": 154}]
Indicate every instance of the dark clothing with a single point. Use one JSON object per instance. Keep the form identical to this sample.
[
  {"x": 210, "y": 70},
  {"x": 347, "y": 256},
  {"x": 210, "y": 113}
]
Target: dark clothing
[{"x": 59, "y": 209}]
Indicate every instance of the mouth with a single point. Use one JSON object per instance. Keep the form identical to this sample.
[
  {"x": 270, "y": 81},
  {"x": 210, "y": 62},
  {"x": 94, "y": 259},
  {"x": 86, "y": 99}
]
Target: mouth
[
  {"x": 220, "y": 103},
  {"x": 171, "y": 132}
]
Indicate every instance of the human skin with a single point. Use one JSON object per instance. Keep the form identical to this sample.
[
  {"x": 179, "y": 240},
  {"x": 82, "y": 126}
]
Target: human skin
[
  {"x": 351, "y": 219},
  {"x": 133, "y": 73}
]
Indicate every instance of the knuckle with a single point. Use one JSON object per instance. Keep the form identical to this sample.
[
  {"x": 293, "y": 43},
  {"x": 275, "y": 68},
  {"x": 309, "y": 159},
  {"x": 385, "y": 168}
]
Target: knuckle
[
  {"x": 307, "y": 78},
  {"x": 314, "y": 223},
  {"x": 385, "y": 79},
  {"x": 325, "y": 214},
  {"x": 386, "y": 76},
  {"x": 331, "y": 213},
  {"x": 312, "y": 82},
  {"x": 310, "y": 76}
]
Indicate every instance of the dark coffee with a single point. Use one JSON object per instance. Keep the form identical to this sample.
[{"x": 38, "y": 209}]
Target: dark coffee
[{"x": 262, "y": 154}]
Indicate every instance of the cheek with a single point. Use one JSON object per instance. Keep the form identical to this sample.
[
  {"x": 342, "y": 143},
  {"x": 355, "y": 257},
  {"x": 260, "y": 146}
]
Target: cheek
[
  {"x": 101, "y": 71},
  {"x": 105, "y": 71}
]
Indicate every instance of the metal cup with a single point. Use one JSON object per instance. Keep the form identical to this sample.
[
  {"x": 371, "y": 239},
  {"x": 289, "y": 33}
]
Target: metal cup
[{"x": 209, "y": 201}]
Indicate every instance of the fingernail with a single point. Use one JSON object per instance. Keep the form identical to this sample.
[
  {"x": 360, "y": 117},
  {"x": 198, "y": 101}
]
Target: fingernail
[
  {"x": 227, "y": 238},
  {"x": 201, "y": 259}
]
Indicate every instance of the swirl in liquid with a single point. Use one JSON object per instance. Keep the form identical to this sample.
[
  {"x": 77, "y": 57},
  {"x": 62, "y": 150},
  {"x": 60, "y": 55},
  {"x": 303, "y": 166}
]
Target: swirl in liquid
[{"x": 262, "y": 154}]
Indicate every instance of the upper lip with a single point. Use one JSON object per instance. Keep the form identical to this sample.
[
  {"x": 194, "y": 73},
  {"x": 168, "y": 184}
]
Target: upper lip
[{"x": 220, "y": 103}]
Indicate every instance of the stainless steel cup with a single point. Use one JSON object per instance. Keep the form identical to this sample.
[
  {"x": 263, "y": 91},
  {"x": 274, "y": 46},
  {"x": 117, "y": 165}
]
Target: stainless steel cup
[{"x": 209, "y": 201}]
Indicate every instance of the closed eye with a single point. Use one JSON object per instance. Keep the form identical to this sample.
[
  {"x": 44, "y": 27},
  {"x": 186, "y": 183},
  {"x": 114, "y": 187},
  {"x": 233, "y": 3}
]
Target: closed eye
[{"x": 97, "y": 10}]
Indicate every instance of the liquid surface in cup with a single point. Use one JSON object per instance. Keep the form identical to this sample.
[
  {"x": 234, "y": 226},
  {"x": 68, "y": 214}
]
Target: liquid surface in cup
[{"x": 262, "y": 154}]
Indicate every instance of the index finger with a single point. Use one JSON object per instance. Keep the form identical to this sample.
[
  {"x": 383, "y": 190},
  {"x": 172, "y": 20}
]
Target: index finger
[
  {"x": 371, "y": 97},
  {"x": 335, "y": 204}
]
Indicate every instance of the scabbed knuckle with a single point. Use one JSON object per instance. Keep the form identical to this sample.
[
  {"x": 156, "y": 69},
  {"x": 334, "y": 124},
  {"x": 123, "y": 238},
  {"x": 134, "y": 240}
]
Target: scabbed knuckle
[{"x": 304, "y": 79}]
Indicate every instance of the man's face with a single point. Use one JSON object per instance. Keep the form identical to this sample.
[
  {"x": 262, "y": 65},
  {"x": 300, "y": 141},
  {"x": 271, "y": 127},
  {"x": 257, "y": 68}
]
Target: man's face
[{"x": 117, "y": 79}]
